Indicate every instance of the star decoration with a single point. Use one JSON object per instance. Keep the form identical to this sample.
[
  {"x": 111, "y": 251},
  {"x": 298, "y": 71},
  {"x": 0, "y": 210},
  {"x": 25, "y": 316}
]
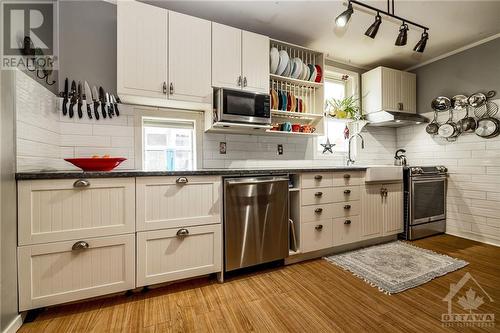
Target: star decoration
[{"x": 327, "y": 146}]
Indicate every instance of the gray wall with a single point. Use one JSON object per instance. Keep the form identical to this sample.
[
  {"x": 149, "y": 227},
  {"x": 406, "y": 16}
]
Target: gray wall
[
  {"x": 462, "y": 73},
  {"x": 87, "y": 43}
]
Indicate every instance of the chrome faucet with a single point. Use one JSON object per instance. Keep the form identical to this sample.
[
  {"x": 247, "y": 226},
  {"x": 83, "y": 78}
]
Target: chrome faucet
[{"x": 349, "y": 159}]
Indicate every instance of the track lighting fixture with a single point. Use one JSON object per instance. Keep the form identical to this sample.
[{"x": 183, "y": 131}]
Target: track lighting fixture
[
  {"x": 403, "y": 35},
  {"x": 373, "y": 29},
  {"x": 343, "y": 18},
  {"x": 420, "y": 47}
]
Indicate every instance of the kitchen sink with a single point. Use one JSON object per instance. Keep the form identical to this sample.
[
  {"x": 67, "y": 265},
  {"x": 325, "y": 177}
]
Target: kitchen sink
[{"x": 383, "y": 173}]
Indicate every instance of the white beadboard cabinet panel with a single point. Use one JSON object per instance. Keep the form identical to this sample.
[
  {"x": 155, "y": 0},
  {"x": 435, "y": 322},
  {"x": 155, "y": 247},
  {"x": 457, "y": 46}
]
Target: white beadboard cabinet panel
[
  {"x": 393, "y": 211},
  {"x": 255, "y": 62},
  {"x": 226, "y": 56},
  {"x": 55, "y": 210},
  {"x": 409, "y": 92},
  {"x": 164, "y": 203},
  {"x": 372, "y": 211},
  {"x": 163, "y": 256},
  {"x": 141, "y": 49},
  {"x": 189, "y": 58},
  {"x": 53, "y": 273},
  {"x": 391, "y": 89}
]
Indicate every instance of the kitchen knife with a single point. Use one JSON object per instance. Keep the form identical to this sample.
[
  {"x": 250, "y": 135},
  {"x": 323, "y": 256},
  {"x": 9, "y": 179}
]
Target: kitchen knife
[
  {"x": 73, "y": 99},
  {"x": 102, "y": 100},
  {"x": 109, "y": 106},
  {"x": 95, "y": 96},
  {"x": 115, "y": 103},
  {"x": 79, "y": 99},
  {"x": 65, "y": 98},
  {"x": 88, "y": 99}
]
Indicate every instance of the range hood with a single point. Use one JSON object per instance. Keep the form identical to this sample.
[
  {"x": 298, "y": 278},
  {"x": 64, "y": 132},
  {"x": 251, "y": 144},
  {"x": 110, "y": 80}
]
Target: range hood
[{"x": 394, "y": 119}]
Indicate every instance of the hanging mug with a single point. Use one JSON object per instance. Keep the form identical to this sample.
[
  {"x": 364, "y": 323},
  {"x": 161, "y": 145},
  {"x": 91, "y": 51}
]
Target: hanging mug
[{"x": 286, "y": 127}]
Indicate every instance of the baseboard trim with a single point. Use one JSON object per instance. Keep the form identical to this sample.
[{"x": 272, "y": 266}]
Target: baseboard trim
[
  {"x": 14, "y": 325},
  {"x": 474, "y": 237}
]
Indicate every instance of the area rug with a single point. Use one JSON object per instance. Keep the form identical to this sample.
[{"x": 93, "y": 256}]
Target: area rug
[{"x": 396, "y": 266}]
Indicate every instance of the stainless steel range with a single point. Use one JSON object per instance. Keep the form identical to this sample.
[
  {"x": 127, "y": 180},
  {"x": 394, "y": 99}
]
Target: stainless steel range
[{"x": 425, "y": 201}]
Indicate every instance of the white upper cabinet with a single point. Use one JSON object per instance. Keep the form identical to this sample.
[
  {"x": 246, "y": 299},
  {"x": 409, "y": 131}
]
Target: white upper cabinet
[
  {"x": 141, "y": 49},
  {"x": 255, "y": 62},
  {"x": 226, "y": 56},
  {"x": 189, "y": 58},
  {"x": 386, "y": 89},
  {"x": 240, "y": 59}
]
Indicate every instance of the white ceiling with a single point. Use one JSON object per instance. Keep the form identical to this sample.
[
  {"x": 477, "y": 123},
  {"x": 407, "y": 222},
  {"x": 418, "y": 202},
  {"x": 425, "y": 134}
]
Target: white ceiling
[{"x": 453, "y": 24}]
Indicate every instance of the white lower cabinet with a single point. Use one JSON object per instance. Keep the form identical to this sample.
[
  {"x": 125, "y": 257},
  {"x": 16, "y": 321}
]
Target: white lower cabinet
[
  {"x": 346, "y": 230},
  {"x": 178, "y": 253},
  {"x": 316, "y": 235},
  {"x": 61, "y": 272}
]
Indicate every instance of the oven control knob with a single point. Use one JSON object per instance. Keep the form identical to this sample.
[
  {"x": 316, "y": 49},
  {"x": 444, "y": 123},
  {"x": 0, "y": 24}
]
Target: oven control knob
[{"x": 416, "y": 171}]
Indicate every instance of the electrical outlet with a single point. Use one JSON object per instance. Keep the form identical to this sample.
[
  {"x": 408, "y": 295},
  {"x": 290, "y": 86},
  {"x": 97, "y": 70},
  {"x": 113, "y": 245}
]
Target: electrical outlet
[
  {"x": 222, "y": 148},
  {"x": 280, "y": 149}
]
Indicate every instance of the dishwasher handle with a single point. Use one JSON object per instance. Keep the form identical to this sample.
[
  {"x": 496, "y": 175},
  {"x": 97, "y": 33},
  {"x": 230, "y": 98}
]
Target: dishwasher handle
[{"x": 246, "y": 181}]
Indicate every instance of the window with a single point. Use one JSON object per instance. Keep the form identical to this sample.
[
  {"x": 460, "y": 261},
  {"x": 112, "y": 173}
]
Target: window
[
  {"x": 338, "y": 84},
  {"x": 169, "y": 144}
]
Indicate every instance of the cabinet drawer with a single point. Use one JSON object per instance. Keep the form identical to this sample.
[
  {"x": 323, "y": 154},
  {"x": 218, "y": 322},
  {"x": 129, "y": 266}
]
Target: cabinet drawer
[
  {"x": 315, "y": 196},
  {"x": 343, "y": 209},
  {"x": 54, "y": 273},
  {"x": 166, "y": 255},
  {"x": 313, "y": 179},
  {"x": 348, "y": 193},
  {"x": 65, "y": 209},
  {"x": 346, "y": 230},
  {"x": 347, "y": 178},
  {"x": 170, "y": 202},
  {"x": 314, "y": 213},
  {"x": 316, "y": 235}
]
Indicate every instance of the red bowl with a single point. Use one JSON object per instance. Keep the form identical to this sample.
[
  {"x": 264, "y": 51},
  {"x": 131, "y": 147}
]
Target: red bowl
[{"x": 96, "y": 164}]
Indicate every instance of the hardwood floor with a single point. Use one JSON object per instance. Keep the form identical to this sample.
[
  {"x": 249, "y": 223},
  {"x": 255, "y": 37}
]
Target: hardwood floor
[{"x": 313, "y": 296}]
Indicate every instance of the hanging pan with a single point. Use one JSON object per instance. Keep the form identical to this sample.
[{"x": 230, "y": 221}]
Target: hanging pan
[
  {"x": 488, "y": 126},
  {"x": 441, "y": 104}
]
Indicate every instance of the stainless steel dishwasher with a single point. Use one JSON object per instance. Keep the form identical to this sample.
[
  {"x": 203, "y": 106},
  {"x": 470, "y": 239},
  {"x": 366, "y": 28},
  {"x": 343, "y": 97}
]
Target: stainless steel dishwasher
[{"x": 255, "y": 220}]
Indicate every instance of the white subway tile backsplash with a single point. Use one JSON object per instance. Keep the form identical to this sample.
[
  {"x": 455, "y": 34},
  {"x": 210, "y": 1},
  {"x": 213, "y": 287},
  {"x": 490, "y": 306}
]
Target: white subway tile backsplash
[
  {"x": 113, "y": 130},
  {"x": 76, "y": 129}
]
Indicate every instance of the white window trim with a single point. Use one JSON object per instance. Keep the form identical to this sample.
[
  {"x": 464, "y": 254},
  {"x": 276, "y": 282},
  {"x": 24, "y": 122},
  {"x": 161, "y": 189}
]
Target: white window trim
[
  {"x": 356, "y": 88},
  {"x": 141, "y": 112}
]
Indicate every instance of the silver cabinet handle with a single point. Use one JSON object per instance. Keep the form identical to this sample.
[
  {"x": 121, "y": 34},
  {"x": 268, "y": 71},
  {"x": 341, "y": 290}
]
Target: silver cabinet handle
[
  {"x": 171, "y": 88},
  {"x": 318, "y": 194},
  {"x": 347, "y": 192},
  {"x": 81, "y": 183},
  {"x": 181, "y": 233},
  {"x": 318, "y": 177},
  {"x": 347, "y": 222},
  {"x": 319, "y": 227},
  {"x": 318, "y": 210},
  {"x": 80, "y": 245},
  {"x": 165, "y": 88},
  {"x": 239, "y": 81},
  {"x": 347, "y": 207},
  {"x": 181, "y": 180},
  {"x": 245, "y": 81}
]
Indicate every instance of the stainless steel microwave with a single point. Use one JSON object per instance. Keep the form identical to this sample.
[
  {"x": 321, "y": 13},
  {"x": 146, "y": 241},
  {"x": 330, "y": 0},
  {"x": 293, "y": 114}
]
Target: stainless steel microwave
[{"x": 242, "y": 106}]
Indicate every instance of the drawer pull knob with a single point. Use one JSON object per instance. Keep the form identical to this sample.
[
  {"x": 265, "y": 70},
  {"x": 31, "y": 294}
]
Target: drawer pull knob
[
  {"x": 347, "y": 176},
  {"x": 318, "y": 210},
  {"x": 81, "y": 183},
  {"x": 318, "y": 194},
  {"x": 347, "y": 192},
  {"x": 80, "y": 245},
  {"x": 318, "y": 177},
  {"x": 347, "y": 207},
  {"x": 347, "y": 222},
  {"x": 181, "y": 180},
  {"x": 319, "y": 227},
  {"x": 182, "y": 233}
]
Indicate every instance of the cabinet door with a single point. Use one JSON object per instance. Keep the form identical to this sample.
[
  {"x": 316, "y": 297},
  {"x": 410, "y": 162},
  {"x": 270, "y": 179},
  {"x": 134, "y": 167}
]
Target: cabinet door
[
  {"x": 226, "y": 56},
  {"x": 393, "y": 210},
  {"x": 255, "y": 62},
  {"x": 141, "y": 49},
  {"x": 372, "y": 211},
  {"x": 409, "y": 92},
  {"x": 316, "y": 235},
  {"x": 391, "y": 89},
  {"x": 189, "y": 58}
]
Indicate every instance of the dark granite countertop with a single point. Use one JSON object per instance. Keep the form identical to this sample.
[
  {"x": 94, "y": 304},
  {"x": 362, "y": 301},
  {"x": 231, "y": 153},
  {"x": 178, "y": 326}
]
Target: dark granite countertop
[{"x": 200, "y": 172}]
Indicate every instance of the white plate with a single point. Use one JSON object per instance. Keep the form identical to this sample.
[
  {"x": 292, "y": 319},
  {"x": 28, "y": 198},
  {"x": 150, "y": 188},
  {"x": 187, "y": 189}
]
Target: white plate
[
  {"x": 305, "y": 72},
  {"x": 297, "y": 68},
  {"x": 313, "y": 75},
  {"x": 275, "y": 59},
  {"x": 284, "y": 58},
  {"x": 288, "y": 68}
]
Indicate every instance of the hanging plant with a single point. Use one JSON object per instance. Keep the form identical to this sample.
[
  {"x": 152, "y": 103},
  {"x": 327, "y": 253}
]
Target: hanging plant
[{"x": 345, "y": 108}]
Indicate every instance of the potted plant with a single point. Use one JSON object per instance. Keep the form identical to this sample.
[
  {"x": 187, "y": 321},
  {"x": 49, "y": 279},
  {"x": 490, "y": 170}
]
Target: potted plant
[{"x": 345, "y": 108}]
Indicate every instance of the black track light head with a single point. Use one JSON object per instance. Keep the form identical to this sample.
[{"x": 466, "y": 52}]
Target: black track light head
[
  {"x": 420, "y": 47},
  {"x": 403, "y": 35},
  {"x": 343, "y": 18},
  {"x": 373, "y": 29}
]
